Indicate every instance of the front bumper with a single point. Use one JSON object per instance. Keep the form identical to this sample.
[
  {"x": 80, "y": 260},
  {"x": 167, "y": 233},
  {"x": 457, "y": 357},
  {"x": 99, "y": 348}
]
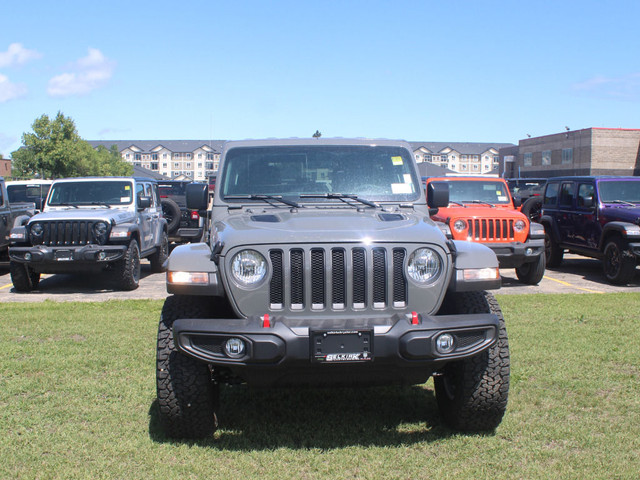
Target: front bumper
[
  {"x": 41, "y": 256},
  {"x": 402, "y": 348},
  {"x": 515, "y": 254}
]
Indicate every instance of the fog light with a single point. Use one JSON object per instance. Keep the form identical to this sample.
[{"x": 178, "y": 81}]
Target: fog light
[
  {"x": 234, "y": 347},
  {"x": 102, "y": 256},
  {"x": 27, "y": 256},
  {"x": 528, "y": 251},
  {"x": 445, "y": 343}
]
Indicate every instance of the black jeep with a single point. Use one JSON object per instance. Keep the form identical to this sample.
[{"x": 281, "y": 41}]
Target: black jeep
[
  {"x": 184, "y": 225},
  {"x": 597, "y": 217}
]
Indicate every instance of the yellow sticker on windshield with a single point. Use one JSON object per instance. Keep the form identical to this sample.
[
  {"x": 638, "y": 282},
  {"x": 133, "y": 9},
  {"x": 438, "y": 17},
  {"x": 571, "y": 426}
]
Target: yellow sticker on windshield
[
  {"x": 397, "y": 160},
  {"x": 127, "y": 187}
]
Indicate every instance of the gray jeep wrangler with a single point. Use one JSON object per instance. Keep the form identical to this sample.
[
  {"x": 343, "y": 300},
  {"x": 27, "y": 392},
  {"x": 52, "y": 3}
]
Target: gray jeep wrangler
[
  {"x": 322, "y": 267},
  {"x": 93, "y": 224}
]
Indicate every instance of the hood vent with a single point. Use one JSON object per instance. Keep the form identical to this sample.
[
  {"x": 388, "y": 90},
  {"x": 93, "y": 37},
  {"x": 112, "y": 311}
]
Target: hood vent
[
  {"x": 390, "y": 217},
  {"x": 265, "y": 218}
]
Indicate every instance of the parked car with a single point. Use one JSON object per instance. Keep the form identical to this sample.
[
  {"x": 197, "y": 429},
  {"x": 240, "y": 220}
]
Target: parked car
[
  {"x": 94, "y": 224},
  {"x": 310, "y": 276},
  {"x": 31, "y": 191},
  {"x": 10, "y": 213},
  {"x": 481, "y": 210},
  {"x": 596, "y": 216},
  {"x": 183, "y": 224},
  {"x": 529, "y": 190}
]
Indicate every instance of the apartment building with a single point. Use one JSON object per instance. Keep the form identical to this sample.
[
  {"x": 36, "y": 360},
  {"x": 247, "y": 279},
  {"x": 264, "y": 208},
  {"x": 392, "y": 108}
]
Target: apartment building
[{"x": 461, "y": 157}]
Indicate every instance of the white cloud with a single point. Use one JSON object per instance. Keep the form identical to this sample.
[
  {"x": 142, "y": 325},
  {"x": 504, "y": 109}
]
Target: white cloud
[
  {"x": 87, "y": 74},
  {"x": 16, "y": 54},
  {"x": 9, "y": 91},
  {"x": 624, "y": 87}
]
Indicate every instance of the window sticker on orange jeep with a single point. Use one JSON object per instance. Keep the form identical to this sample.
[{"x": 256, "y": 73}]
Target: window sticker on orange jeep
[
  {"x": 402, "y": 187},
  {"x": 397, "y": 160},
  {"x": 502, "y": 198},
  {"x": 407, "y": 178}
]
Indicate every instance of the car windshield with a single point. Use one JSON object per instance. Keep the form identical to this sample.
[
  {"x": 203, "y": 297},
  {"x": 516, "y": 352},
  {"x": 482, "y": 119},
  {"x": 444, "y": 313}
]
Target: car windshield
[
  {"x": 478, "y": 191},
  {"x": 91, "y": 193},
  {"x": 26, "y": 193},
  {"x": 621, "y": 190},
  {"x": 319, "y": 173}
]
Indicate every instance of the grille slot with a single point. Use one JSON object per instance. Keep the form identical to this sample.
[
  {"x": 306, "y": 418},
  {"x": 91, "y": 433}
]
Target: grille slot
[
  {"x": 68, "y": 233},
  {"x": 337, "y": 278},
  {"x": 491, "y": 230}
]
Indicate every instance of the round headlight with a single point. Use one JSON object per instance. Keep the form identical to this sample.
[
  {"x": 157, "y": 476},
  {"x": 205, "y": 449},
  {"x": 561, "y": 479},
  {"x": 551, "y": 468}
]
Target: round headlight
[
  {"x": 248, "y": 267},
  {"x": 459, "y": 225},
  {"x": 100, "y": 229},
  {"x": 424, "y": 265},
  {"x": 519, "y": 226},
  {"x": 37, "y": 229}
]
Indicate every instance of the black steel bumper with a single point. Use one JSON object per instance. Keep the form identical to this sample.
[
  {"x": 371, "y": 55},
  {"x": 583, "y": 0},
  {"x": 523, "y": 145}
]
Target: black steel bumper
[
  {"x": 512, "y": 255},
  {"x": 42, "y": 255},
  {"x": 396, "y": 346}
]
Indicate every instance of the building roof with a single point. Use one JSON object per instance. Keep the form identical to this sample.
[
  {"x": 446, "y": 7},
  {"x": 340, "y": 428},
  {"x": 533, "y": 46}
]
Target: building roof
[
  {"x": 147, "y": 146},
  {"x": 144, "y": 172},
  {"x": 464, "y": 148}
]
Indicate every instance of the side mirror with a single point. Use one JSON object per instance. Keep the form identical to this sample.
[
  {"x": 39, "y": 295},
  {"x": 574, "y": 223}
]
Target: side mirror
[
  {"x": 438, "y": 194},
  {"x": 144, "y": 203},
  {"x": 517, "y": 201},
  {"x": 197, "y": 196},
  {"x": 587, "y": 202}
]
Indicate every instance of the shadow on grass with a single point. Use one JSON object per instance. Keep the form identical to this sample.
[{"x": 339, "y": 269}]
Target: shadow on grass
[{"x": 252, "y": 419}]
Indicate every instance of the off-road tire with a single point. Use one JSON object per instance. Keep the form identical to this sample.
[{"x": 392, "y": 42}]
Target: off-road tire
[
  {"x": 532, "y": 273},
  {"x": 552, "y": 252},
  {"x": 472, "y": 393},
  {"x": 126, "y": 271},
  {"x": 23, "y": 277},
  {"x": 158, "y": 258},
  {"x": 618, "y": 262},
  {"x": 187, "y": 396},
  {"x": 171, "y": 211},
  {"x": 532, "y": 208}
]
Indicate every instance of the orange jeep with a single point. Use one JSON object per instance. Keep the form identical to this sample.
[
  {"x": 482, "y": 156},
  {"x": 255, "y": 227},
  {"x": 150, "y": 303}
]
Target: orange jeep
[{"x": 482, "y": 210}]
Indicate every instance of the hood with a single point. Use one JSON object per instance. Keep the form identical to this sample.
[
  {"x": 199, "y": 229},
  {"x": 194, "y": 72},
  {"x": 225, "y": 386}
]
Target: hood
[
  {"x": 625, "y": 213},
  {"x": 326, "y": 226},
  {"x": 115, "y": 216},
  {"x": 478, "y": 211}
]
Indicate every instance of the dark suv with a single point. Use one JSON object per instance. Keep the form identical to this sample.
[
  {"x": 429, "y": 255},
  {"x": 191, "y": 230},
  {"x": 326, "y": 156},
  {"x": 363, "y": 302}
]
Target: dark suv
[
  {"x": 597, "y": 217},
  {"x": 184, "y": 225}
]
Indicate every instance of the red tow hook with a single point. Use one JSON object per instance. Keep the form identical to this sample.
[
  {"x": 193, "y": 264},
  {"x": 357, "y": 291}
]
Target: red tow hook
[
  {"x": 414, "y": 318},
  {"x": 266, "y": 321}
]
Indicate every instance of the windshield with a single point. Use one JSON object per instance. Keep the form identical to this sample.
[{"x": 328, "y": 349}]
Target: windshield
[
  {"x": 26, "y": 193},
  {"x": 478, "y": 191},
  {"x": 319, "y": 172},
  {"x": 91, "y": 193},
  {"x": 622, "y": 190}
]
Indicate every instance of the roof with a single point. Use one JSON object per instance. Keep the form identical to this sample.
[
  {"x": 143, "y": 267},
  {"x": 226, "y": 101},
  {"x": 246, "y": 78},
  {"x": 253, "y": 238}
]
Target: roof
[
  {"x": 147, "y": 146},
  {"x": 144, "y": 172},
  {"x": 463, "y": 148}
]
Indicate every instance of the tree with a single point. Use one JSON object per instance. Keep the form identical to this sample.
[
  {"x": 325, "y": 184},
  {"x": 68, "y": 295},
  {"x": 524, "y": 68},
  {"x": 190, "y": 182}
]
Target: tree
[{"x": 55, "y": 150}]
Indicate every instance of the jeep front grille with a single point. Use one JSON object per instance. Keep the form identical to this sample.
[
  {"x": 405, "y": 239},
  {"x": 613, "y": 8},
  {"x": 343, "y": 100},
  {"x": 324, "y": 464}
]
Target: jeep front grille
[
  {"x": 67, "y": 233},
  {"x": 491, "y": 230},
  {"x": 337, "y": 278}
]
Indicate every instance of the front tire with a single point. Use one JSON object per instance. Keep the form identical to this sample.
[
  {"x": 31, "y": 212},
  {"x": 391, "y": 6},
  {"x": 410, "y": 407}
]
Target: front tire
[
  {"x": 531, "y": 273},
  {"x": 187, "y": 396},
  {"x": 552, "y": 251},
  {"x": 160, "y": 256},
  {"x": 126, "y": 273},
  {"x": 472, "y": 393},
  {"x": 618, "y": 262},
  {"x": 23, "y": 277}
]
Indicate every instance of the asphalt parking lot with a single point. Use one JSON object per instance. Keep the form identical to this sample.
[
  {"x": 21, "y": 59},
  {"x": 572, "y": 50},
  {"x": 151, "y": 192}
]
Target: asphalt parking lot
[{"x": 576, "y": 275}]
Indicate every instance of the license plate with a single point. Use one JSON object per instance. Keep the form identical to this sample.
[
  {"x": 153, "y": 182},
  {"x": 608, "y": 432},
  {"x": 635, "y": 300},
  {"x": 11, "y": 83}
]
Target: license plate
[
  {"x": 342, "y": 346},
  {"x": 64, "y": 255}
]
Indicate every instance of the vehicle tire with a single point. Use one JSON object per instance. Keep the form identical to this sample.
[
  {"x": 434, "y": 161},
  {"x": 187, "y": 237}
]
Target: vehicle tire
[
  {"x": 158, "y": 258},
  {"x": 126, "y": 274},
  {"x": 532, "y": 208},
  {"x": 472, "y": 393},
  {"x": 618, "y": 262},
  {"x": 171, "y": 211},
  {"x": 187, "y": 396},
  {"x": 23, "y": 277},
  {"x": 552, "y": 252},
  {"x": 531, "y": 273}
]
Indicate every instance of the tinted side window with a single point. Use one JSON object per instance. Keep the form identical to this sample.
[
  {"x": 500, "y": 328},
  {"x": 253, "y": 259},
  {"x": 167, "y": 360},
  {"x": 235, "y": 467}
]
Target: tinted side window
[
  {"x": 551, "y": 194},
  {"x": 566, "y": 194}
]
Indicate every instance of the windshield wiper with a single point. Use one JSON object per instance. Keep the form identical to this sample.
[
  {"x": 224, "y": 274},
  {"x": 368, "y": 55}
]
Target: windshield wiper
[
  {"x": 266, "y": 198},
  {"x": 623, "y": 202},
  {"x": 480, "y": 202},
  {"x": 341, "y": 196},
  {"x": 65, "y": 205},
  {"x": 102, "y": 204}
]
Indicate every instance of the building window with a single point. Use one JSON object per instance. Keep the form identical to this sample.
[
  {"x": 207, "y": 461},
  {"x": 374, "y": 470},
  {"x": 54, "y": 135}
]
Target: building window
[
  {"x": 154, "y": 156},
  {"x": 546, "y": 157},
  {"x": 475, "y": 168},
  {"x": 188, "y": 155},
  {"x": 176, "y": 155},
  {"x": 176, "y": 165},
  {"x": 137, "y": 157},
  {"x": 154, "y": 165},
  {"x": 164, "y": 165},
  {"x": 164, "y": 155},
  {"x": 567, "y": 155},
  {"x": 208, "y": 165},
  {"x": 528, "y": 159},
  {"x": 496, "y": 159},
  {"x": 199, "y": 155},
  {"x": 209, "y": 156},
  {"x": 188, "y": 164},
  {"x": 463, "y": 167}
]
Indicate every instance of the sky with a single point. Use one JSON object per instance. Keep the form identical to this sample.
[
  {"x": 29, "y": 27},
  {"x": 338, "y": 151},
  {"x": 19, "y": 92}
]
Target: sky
[{"x": 458, "y": 71}]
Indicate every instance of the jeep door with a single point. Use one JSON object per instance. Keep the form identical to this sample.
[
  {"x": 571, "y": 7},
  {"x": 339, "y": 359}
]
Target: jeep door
[
  {"x": 146, "y": 217},
  {"x": 587, "y": 230},
  {"x": 5, "y": 217}
]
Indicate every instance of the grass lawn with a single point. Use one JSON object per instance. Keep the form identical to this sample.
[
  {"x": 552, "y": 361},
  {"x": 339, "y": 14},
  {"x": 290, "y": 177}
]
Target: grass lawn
[{"x": 77, "y": 392}]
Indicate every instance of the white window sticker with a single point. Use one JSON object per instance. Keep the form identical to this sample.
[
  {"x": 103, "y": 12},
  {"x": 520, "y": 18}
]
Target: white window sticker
[
  {"x": 407, "y": 178},
  {"x": 402, "y": 187}
]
